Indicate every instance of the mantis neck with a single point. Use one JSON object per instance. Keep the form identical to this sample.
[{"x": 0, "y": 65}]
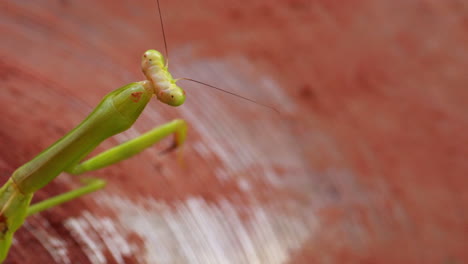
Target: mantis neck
[{"x": 160, "y": 78}]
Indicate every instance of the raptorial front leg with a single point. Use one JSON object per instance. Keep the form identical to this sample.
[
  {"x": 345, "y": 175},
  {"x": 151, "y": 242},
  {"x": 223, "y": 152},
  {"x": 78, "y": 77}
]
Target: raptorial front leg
[
  {"x": 134, "y": 146},
  {"x": 118, "y": 153}
]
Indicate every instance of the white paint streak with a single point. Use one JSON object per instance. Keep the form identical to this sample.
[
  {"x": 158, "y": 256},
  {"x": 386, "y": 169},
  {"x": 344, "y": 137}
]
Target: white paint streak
[
  {"x": 83, "y": 233},
  {"x": 198, "y": 232},
  {"x": 56, "y": 247},
  {"x": 110, "y": 236}
]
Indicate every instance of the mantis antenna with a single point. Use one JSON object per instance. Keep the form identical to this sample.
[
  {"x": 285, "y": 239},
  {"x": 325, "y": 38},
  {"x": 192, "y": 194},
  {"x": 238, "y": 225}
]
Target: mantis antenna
[
  {"x": 231, "y": 93},
  {"x": 199, "y": 82},
  {"x": 164, "y": 34}
]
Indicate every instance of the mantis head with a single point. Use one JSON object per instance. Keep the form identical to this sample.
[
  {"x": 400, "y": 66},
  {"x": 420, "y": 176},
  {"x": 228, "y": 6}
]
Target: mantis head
[
  {"x": 165, "y": 88},
  {"x": 154, "y": 67},
  {"x": 152, "y": 58}
]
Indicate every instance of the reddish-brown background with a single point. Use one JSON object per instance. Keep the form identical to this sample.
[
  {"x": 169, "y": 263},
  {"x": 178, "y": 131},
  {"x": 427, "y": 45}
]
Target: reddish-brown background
[{"x": 368, "y": 154}]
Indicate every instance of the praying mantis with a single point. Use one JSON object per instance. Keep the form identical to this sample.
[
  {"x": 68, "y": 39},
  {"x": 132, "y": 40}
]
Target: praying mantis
[{"x": 116, "y": 113}]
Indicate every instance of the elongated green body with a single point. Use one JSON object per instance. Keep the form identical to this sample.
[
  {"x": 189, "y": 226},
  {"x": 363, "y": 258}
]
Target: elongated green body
[{"x": 116, "y": 113}]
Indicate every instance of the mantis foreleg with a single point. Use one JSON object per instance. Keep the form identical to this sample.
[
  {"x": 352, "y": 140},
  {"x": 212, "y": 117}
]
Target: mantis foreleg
[
  {"x": 133, "y": 147},
  {"x": 118, "y": 153}
]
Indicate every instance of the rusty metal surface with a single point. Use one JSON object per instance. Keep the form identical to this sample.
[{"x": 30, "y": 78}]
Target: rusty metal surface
[{"x": 365, "y": 164}]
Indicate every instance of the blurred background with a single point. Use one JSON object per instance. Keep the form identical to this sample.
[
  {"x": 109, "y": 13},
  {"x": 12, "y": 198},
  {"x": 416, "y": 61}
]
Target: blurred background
[{"x": 366, "y": 163}]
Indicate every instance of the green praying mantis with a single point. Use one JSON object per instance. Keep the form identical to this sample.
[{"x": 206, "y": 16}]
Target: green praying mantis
[{"x": 116, "y": 113}]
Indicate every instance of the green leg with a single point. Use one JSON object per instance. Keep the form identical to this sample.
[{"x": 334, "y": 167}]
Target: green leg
[
  {"x": 91, "y": 185},
  {"x": 134, "y": 146},
  {"x": 123, "y": 151}
]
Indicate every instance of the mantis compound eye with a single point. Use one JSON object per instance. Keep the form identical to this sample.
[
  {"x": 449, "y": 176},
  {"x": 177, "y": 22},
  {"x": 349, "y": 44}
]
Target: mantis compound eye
[{"x": 172, "y": 97}]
